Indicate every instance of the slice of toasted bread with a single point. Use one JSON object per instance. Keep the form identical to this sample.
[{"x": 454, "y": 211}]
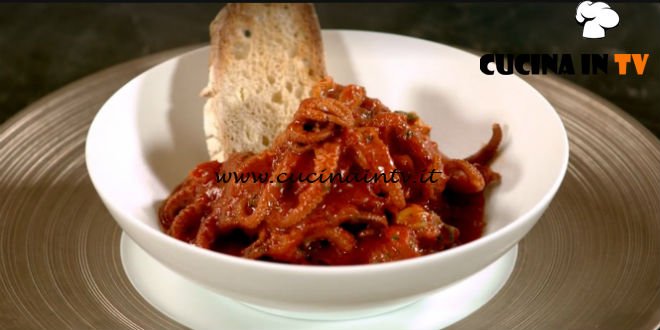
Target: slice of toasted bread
[{"x": 264, "y": 60}]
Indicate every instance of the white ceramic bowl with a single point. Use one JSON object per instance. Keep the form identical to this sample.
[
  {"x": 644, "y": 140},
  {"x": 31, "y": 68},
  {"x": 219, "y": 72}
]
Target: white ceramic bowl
[{"x": 148, "y": 135}]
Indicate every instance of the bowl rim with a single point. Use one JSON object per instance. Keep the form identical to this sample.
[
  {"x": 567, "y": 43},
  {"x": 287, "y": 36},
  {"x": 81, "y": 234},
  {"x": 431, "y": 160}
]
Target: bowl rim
[{"x": 156, "y": 234}]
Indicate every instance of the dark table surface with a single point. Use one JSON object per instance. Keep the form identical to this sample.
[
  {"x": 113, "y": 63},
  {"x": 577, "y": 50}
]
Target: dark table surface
[{"x": 45, "y": 46}]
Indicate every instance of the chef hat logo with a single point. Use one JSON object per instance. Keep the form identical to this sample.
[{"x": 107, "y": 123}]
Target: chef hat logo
[{"x": 596, "y": 17}]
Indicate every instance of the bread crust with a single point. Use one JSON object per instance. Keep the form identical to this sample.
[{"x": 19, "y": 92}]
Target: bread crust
[{"x": 263, "y": 61}]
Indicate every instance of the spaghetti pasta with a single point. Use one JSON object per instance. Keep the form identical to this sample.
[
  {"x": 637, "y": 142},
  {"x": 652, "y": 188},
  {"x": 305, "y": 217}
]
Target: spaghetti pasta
[{"x": 338, "y": 131}]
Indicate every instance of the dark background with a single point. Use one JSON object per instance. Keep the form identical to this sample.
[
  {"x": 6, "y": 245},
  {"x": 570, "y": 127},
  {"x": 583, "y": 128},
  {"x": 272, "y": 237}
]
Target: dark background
[{"x": 45, "y": 46}]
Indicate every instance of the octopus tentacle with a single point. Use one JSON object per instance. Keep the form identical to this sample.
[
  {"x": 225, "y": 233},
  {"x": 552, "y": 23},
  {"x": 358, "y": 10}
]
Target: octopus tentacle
[{"x": 338, "y": 131}]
